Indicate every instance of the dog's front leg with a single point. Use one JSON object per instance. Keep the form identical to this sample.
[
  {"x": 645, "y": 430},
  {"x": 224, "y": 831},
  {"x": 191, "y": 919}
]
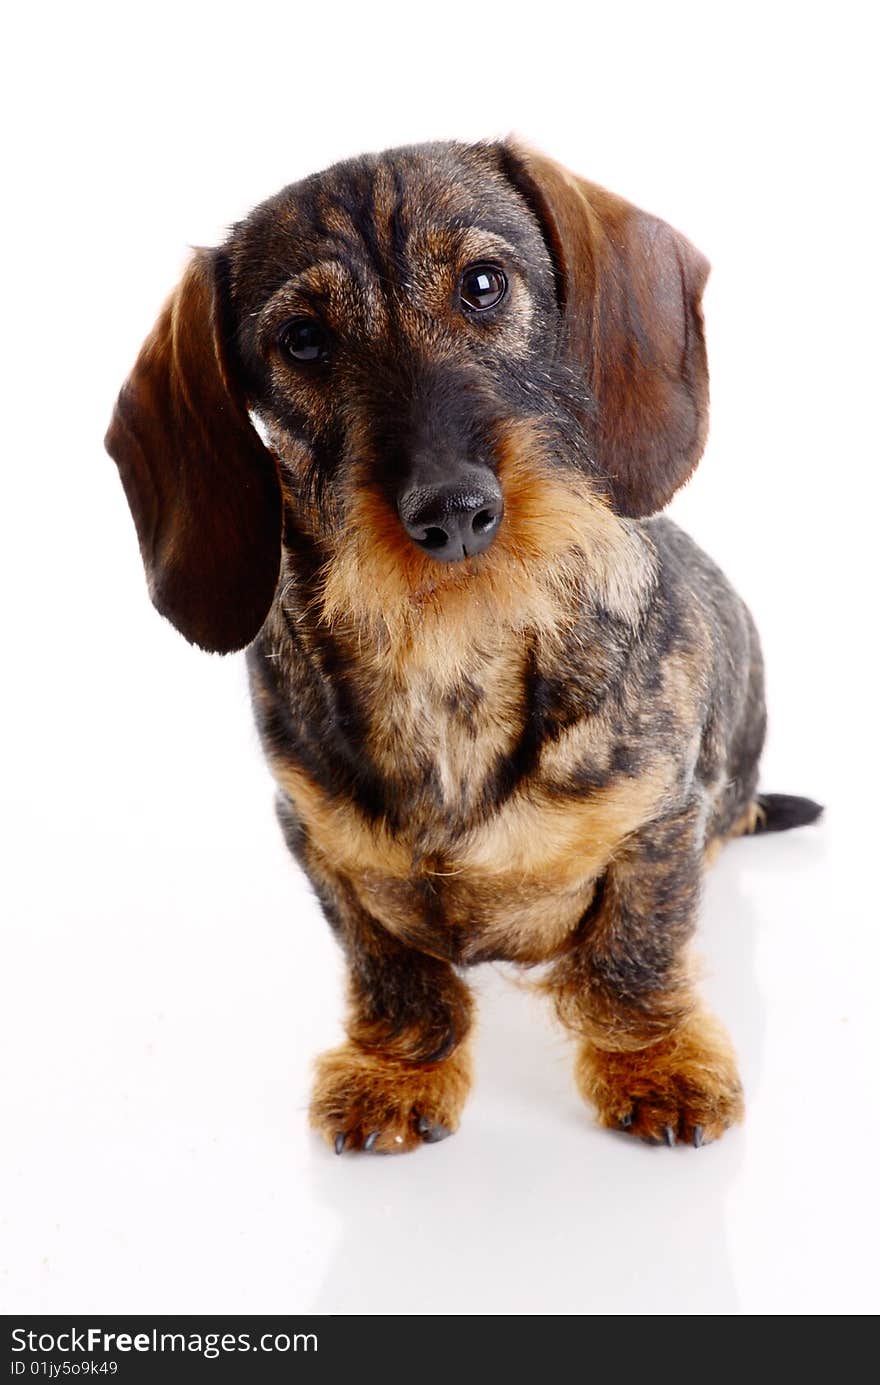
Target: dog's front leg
[
  {"x": 403, "y": 1075},
  {"x": 650, "y": 1058}
]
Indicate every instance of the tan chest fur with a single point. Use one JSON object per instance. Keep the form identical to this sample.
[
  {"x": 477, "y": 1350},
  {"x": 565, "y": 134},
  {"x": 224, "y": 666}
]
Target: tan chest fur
[{"x": 460, "y": 878}]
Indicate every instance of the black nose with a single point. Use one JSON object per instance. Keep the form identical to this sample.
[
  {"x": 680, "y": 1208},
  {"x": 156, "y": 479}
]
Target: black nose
[{"x": 455, "y": 520}]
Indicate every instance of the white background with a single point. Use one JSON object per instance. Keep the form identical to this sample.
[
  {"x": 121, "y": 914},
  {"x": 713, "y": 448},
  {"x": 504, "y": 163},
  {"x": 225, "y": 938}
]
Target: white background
[{"x": 167, "y": 978}]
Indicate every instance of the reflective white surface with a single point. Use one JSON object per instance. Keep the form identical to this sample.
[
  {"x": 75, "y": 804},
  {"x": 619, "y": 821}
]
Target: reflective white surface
[{"x": 166, "y": 978}]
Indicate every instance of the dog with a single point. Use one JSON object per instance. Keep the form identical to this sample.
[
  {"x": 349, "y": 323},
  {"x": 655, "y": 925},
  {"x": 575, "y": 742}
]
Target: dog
[{"x": 404, "y": 437}]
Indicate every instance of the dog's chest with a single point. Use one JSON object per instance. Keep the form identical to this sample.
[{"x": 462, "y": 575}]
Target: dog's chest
[
  {"x": 478, "y": 851},
  {"x": 440, "y": 740}
]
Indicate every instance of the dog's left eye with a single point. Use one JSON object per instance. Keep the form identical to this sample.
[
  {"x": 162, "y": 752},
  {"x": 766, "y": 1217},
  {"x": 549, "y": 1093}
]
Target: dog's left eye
[
  {"x": 482, "y": 286},
  {"x": 304, "y": 340}
]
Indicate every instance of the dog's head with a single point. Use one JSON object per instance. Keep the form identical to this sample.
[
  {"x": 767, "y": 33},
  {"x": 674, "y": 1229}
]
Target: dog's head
[{"x": 464, "y": 360}]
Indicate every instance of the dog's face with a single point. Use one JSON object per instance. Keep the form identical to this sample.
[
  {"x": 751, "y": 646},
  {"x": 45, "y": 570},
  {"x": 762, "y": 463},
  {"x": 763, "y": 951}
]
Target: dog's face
[
  {"x": 466, "y": 363},
  {"x": 395, "y": 316}
]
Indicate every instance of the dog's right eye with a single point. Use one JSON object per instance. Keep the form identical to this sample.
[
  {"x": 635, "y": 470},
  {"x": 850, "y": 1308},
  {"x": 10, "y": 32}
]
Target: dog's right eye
[{"x": 304, "y": 340}]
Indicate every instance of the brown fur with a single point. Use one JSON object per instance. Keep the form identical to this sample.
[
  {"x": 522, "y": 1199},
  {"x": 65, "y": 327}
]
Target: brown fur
[
  {"x": 631, "y": 285},
  {"x": 357, "y": 1094},
  {"x": 202, "y": 489},
  {"x": 686, "y": 1084}
]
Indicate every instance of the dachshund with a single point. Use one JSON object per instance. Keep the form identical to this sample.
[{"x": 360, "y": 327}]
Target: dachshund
[{"x": 404, "y": 437}]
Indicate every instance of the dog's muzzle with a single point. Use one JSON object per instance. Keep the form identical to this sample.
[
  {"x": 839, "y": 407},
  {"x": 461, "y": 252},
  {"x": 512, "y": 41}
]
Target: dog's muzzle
[{"x": 453, "y": 520}]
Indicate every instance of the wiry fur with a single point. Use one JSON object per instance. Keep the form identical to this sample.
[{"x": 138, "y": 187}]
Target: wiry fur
[
  {"x": 684, "y": 1087},
  {"x": 528, "y": 754}
]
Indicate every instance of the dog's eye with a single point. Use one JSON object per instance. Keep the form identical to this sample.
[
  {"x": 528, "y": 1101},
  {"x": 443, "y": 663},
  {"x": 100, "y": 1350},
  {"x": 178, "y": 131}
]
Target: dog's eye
[
  {"x": 482, "y": 286},
  {"x": 303, "y": 339}
]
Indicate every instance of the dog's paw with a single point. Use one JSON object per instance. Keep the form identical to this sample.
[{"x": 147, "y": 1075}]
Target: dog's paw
[
  {"x": 362, "y": 1101},
  {"x": 685, "y": 1089}
]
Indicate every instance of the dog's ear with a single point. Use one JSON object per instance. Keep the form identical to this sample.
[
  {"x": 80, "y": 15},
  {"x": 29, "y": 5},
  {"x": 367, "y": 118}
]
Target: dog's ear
[
  {"x": 202, "y": 488},
  {"x": 629, "y": 287}
]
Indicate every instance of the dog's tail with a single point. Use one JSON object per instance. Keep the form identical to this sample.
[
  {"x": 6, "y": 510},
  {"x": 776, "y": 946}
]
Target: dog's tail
[
  {"x": 767, "y": 812},
  {"x": 777, "y": 812}
]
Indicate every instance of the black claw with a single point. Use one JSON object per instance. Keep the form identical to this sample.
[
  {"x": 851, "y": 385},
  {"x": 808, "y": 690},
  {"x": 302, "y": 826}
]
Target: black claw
[
  {"x": 447, "y": 1046},
  {"x": 627, "y": 1120},
  {"x": 669, "y": 1135},
  {"x": 433, "y": 1134},
  {"x": 371, "y": 1139},
  {"x": 698, "y": 1136},
  {"x": 339, "y": 1142}
]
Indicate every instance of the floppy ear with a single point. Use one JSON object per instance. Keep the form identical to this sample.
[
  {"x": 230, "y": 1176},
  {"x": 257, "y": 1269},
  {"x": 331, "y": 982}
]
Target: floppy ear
[
  {"x": 202, "y": 489},
  {"x": 630, "y": 289}
]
